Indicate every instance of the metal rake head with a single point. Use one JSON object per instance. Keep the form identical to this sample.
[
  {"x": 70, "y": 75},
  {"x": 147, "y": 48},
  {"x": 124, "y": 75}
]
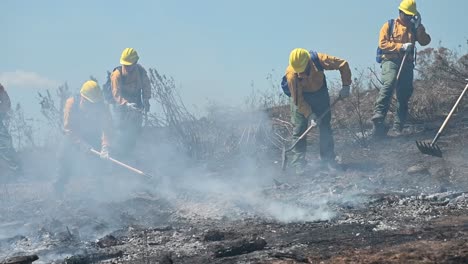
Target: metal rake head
[{"x": 429, "y": 149}]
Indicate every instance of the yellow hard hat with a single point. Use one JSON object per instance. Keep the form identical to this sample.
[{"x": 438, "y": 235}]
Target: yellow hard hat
[
  {"x": 298, "y": 59},
  {"x": 91, "y": 91},
  {"x": 129, "y": 56},
  {"x": 408, "y": 7}
]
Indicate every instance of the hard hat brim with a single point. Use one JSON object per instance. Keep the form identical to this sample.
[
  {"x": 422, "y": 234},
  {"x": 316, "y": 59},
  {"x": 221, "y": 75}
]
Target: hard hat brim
[
  {"x": 408, "y": 12},
  {"x": 126, "y": 63},
  {"x": 300, "y": 70}
]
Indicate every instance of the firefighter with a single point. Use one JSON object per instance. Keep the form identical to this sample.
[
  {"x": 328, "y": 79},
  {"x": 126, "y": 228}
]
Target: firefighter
[
  {"x": 397, "y": 38},
  {"x": 87, "y": 125},
  {"x": 131, "y": 91},
  {"x": 309, "y": 94}
]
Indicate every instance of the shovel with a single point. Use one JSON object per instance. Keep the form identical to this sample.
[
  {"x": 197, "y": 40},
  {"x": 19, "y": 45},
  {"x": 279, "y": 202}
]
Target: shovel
[
  {"x": 432, "y": 148},
  {"x": 123, "y": 164},
  {"x": 319, "y": 119}
]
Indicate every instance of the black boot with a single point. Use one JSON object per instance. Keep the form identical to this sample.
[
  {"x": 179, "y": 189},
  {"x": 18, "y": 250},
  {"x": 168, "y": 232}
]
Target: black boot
[{"x": 378, "y": 129}]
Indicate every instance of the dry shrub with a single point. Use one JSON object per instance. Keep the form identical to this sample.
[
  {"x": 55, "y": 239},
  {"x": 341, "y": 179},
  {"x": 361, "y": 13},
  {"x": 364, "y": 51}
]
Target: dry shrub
[
  {"x": 275, "y": 104},
  {"x": 351, "y": 115},
  {"x": 52, "y": 111},
  {"x": 222, "y": 133},
  {"x": 270, "y": 98},
  {"x": 20, "y": 128},
  {"x": 441, "y": 77},
  {"x": 182, "y": 125}
]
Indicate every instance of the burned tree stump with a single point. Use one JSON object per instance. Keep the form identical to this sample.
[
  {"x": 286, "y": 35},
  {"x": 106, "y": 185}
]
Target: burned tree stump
[
  {"x": 239, "y": 247},
  {"x": 21, "y": 260}
]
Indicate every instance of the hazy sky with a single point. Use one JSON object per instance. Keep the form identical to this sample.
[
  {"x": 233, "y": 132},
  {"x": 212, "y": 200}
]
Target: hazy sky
[{"x": 213, "y": 49}]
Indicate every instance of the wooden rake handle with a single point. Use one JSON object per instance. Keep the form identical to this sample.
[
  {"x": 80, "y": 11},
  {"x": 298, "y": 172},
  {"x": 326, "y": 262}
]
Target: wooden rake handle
[
  {"x": 319, "y": 119},
  {"x": 122, "y": 164},
  {"x": 401, "y": 67},
  {"x": 449, "y": 116}
]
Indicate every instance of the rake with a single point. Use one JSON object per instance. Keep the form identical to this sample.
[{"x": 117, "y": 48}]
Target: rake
[
  {"x": 319, "y": 119},
  {"x": 137, "y": 171},
  {"x": 432, "y": 148}
]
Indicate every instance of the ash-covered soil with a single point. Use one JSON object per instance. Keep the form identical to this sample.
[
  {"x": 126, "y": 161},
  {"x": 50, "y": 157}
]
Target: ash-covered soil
[{"x": 390, "y": 204}]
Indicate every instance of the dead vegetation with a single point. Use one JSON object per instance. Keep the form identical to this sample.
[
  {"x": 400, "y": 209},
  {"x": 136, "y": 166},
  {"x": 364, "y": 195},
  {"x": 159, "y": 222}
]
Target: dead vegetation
[
  {"x": 21, "y": 128},
  {"x": 52, "y": 106},
  {"x": 443, "y": 75}
]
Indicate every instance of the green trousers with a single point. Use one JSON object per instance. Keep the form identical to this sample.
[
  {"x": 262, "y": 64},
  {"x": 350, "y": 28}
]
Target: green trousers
[
  {"x": 319, "y": 102},
  {"x": 129, "y": 127},
  {"x": 404, "y": 90}
]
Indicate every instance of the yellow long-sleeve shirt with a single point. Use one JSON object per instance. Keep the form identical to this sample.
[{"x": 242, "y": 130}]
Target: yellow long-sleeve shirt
[
  {"x": 130, "y": 86},
  {"x": 314, "y": 79},
  {"x": 87, "y": 122},
  {"x": 391, "y": 45}
]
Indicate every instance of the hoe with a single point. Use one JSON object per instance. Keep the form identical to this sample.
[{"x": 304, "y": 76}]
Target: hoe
[
  {"x": 137, "y": 171},
  {"x": 432, "y": 148}
]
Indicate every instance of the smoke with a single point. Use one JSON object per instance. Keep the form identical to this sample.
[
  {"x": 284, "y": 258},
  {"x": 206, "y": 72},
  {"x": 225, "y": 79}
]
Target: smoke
[
  {"x": 288, "y": 213},
  {"x": 233, "y": 181},
  {"x": 236, "y": 185}
]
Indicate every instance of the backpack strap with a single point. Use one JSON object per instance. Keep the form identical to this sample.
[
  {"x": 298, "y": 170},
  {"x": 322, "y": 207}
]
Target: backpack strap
[
  {"x": 118, "y": 68},
  {"x": 285, "y": 86},
  {"x": 390, "y": 22},
  {"x": 140, "y": 72},
  {"x": 316, "y": 60}
]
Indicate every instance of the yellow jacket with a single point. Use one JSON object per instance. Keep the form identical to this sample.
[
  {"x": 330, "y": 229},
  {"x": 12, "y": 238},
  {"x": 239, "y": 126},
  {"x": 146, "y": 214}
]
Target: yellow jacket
[
  {"x": 130, "y": 86},
  {"x": 401, "y": 34},
  {"x": 87, "y": 122},
  {"x": 314, "y": 81}
]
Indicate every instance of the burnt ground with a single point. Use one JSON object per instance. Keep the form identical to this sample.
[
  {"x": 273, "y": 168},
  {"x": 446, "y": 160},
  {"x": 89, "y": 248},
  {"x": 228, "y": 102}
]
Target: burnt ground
[{"x": 391, "y": 204}]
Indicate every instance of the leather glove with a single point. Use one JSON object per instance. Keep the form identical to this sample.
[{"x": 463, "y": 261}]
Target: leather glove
[
  {"x": 345, "y": 91},
  {"x": 407, "y": 47},
  {"x": 416, "y": 20},
  {"x": 147, "y": 105},
  {"x": 131, "y": 106},
  {"x": 104, "y": 152}
]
